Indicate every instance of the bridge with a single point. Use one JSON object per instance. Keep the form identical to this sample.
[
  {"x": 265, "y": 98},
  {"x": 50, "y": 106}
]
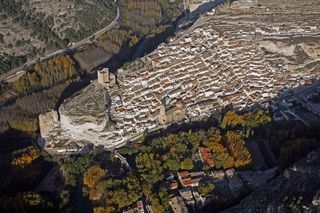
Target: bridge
[{"x": 122, "y": 159}]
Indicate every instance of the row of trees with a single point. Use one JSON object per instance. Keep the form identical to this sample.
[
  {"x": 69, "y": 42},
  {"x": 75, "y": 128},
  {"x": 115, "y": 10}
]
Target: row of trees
[
  {"x": 245, "y": 122},
  {"x": 222, "y": 157},
  {"x": 113, "y": 40},
  {"x": 238, "y": 150},
  {"x": 45, "y": 74},
  {"x": 24, "y": 157}
]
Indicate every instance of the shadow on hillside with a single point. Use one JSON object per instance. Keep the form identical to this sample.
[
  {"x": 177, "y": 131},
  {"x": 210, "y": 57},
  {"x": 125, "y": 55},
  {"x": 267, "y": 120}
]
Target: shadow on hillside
[
  {"x": 15, "y": 180},
  {"x": 279, "y": 142},
  {"x": 126, "y": 54},
  {"x": 12, "y": 140}
]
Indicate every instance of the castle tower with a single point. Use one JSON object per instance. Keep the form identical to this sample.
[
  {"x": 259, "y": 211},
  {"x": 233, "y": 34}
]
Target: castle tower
[
  {"x": 180, "y": 110},
  {"x": 104, "y": 77},
  {"x": 162, "y": 114},
  {"x": 179, "y": 103}
]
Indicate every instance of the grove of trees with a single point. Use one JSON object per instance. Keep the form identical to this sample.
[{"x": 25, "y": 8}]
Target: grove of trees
[
  {"x": 91, "y": 179},
  {"x": 24, "y": 157},
  {"x": 46, "y": 74}
]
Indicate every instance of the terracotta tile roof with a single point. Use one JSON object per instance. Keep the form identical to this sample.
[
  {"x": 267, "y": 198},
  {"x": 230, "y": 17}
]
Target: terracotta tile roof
[
  {"x": 183, "y": 174},
  {"x": 206, "y": 156},
  {"x": 186, "y": 182}
]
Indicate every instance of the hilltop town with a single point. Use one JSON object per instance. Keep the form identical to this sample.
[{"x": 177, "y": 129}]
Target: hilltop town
[
  {"x": 172, "y": 107},
  {"x": 236, "y": 54}
]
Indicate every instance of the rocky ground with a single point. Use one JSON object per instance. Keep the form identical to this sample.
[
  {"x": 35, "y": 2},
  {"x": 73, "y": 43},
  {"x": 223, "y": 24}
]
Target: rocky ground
[
  {"x": 83, "y": 119},
  {"x": 286, "y": 37}
]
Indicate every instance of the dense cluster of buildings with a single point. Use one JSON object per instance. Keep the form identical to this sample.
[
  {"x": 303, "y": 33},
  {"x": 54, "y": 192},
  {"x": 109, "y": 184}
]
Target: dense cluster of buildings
[
  {"x": 215, "y": 63},
  {"x": 189, "y": 79},
  {"x": 185, "y": 194},
  {"x": 300, "y": 104},
  {"x": 198, "y": 73},
  {"x": 228, "y": 183}
]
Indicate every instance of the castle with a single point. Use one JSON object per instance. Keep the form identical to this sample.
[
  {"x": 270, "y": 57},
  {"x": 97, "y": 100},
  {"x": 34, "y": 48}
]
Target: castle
[
  {"x": 106, "y": 78},
  {"x": 103, "y": 77}
]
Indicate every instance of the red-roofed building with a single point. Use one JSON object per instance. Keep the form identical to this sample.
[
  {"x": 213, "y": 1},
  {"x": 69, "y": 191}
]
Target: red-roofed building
[
  {"x": 186, "y": 182},
  {"x": 184, "y": 178},
  {"x": 174, "y": 185},
  {"x": 183, "y": 174},
  {"x": 190, "y": 179},
  {"x": 206, "y": 156}
]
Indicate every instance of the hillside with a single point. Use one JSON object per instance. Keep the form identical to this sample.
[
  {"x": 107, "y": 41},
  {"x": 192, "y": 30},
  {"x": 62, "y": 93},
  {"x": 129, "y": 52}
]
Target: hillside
[
  {"x": 295, "y": 190},
  {"x": 35, "y": 28},
  {"x": 59, "y": 71}
]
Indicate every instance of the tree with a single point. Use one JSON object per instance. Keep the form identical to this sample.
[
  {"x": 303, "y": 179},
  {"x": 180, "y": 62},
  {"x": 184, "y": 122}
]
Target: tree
[
  {"x": 186, "y": 164},
  {"x": 24, "y": 157},
  {"x": 92, "y": 176},
  {"x": 238, "y": 150},
  {"x": 75, "y": 166},
  {"x": 231, "y": 118},
  {"x": 173, "y": 165},
  {"x": 206, "y": 188},
  {"x": 149, "y": 167}
]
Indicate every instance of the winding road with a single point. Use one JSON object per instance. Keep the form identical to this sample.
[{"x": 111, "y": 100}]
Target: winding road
[{"x": 19, "y": 71}]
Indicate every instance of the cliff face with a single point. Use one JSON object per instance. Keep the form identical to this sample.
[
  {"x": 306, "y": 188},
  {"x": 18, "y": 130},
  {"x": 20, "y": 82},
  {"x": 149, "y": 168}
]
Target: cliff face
[
  {"x": 297, "y": 189},
  {"x": 47, "y": 121},
  {"x": 83, "y": 120}
]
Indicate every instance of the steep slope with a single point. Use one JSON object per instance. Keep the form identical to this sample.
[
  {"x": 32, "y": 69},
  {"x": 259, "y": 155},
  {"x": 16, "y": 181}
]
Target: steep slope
[
  {"x": 295, "y": 190},
  {"x": 35, "y": 28}
]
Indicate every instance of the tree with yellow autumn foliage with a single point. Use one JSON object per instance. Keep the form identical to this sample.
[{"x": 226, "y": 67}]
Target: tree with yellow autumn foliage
[
  {"x": 232, "y": 119},
  {"x": 92, "y": 176},
  {"x": 92, "y": 179},
  {"x": 24, "y": 157},
  {"x": 103, "y": 210},
  {"x": 238, "y": 150},
  {"x": 46, "y": 73}
]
